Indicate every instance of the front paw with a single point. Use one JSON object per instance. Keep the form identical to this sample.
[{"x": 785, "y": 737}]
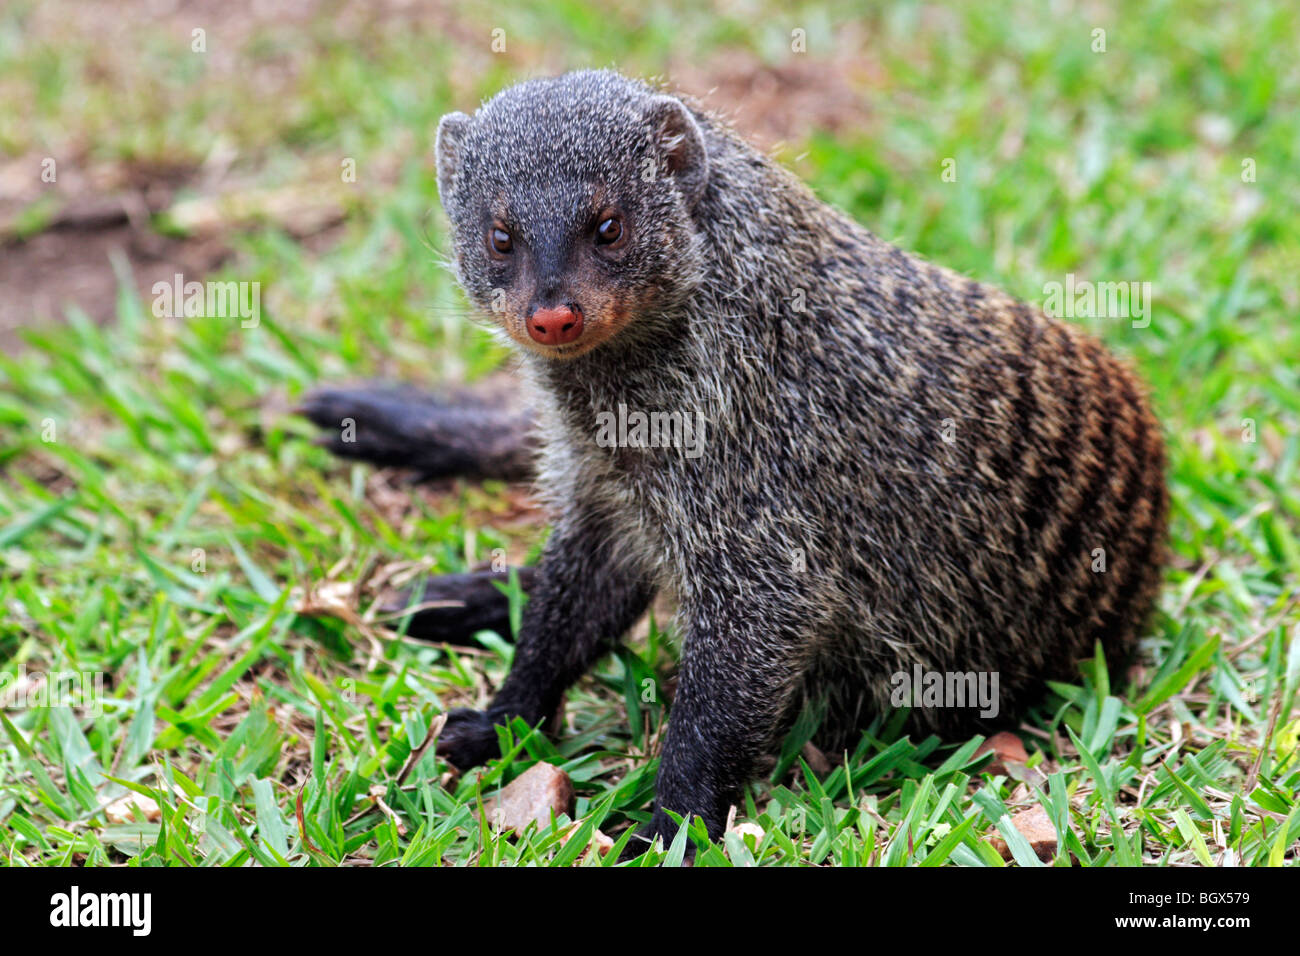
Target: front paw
[
  {"x": 664, "y": 828},
  {"x": 468, "y": 739}
]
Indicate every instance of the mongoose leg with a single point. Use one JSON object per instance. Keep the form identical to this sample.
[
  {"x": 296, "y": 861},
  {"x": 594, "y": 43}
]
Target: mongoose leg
[
  {"x": 586, "y": 594},
  {"x": 464, "y": 605},
  {"x": 459, "y": 435},
  {"x": 732, "y": 694}
]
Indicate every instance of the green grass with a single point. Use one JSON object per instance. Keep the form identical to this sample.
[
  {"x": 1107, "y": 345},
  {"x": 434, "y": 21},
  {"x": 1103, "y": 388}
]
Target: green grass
[{"x": 168, "y": 536}]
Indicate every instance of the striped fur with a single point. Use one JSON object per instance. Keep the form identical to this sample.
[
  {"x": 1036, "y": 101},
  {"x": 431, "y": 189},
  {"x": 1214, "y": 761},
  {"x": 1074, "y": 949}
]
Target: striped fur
[{"x": 829, "y": 537}]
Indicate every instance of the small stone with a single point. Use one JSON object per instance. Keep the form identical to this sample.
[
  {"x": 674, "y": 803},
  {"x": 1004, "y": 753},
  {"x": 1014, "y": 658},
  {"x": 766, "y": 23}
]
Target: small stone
[
  {"x": 747, "y": 828},
  {"x": 531, "y": 797},
  {"x": 1007, "y": 749},
  {"x": 601, "y": 843},
  {"x": 1035, "y": 826},
  {"x": 120, "y": 810},
  {"x": 816, "y": 760}
]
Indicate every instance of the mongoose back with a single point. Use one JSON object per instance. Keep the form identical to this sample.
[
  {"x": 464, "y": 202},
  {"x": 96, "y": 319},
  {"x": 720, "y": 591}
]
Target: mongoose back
[{"x": 900, "y": 467}]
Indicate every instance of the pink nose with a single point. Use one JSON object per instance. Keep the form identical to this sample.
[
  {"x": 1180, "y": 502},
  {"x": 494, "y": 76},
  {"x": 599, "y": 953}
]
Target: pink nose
[{"x": 556, "y": 326}]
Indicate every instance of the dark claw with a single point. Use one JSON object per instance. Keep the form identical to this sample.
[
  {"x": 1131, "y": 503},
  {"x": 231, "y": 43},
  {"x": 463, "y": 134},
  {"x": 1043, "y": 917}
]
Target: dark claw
[
  {"x": 662, "y": 826},
  {"x": 468, "y": 739}
]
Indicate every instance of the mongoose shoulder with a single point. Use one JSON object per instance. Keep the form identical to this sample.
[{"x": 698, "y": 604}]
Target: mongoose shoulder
[{"x": 895, "y": 467}]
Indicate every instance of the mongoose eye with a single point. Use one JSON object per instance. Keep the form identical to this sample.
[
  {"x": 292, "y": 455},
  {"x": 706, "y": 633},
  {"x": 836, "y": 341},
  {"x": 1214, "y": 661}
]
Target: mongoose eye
[
  {"x": 500, "y": 241},
  {"x": 609, "y": 231}
]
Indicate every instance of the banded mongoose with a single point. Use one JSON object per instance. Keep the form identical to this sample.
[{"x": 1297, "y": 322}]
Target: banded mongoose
[{"x": 900, "y": 466}]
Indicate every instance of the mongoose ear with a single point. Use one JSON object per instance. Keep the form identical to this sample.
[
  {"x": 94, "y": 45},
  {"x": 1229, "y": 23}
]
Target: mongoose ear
[
  {"x": 451, "y": 133},
  {"x": 679, "y": 137}
]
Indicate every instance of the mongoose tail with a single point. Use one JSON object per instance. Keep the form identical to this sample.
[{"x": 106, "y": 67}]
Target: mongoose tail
[{"x": 462, "y": 434}]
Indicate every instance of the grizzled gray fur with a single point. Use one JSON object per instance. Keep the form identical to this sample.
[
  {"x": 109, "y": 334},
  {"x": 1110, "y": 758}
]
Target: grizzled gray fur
[{"x": 901, "y": 466}]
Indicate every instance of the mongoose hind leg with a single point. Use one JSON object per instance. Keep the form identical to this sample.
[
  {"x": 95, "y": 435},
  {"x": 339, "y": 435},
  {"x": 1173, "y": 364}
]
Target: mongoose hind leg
[
  {"x": 470, "y": 434},
  {"x": 452, "y": 608},
  {"x": 461, "y": 434}
]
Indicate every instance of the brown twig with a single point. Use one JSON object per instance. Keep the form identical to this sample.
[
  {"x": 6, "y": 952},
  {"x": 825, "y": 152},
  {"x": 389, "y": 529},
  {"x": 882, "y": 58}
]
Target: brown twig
[{"x": 1253, "y": 777}]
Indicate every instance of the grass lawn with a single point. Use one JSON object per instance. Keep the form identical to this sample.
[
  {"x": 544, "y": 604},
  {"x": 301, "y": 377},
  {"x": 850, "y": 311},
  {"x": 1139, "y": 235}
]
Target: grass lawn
[{"x": 167, "y": 525}]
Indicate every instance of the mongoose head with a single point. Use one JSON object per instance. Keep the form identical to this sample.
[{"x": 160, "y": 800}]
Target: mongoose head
[{"x": 571, "y": 203}]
